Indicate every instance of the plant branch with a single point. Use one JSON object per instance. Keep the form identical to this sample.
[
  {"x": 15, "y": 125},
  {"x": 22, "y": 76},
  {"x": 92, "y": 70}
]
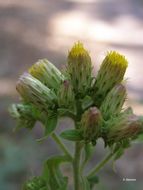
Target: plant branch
[
  {"x": 61, "y": 145},
  {"x": 100, "y": 165}
]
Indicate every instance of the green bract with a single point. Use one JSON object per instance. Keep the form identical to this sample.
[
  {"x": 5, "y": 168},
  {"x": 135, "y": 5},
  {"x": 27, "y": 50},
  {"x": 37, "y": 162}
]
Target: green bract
[{"x": 95, "y": 103}]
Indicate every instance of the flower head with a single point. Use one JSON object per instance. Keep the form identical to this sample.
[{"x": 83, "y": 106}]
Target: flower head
[
  {"x": 47, "y": 73},
  {"x": 79, "y": 68},
  {"x": 33, "y": 91},
  {"x": 125, "y": 126},
  {"x": 111, "y": 72},
  {"x": 113, "y": 102},
  {"x": 90, "y": 124}
]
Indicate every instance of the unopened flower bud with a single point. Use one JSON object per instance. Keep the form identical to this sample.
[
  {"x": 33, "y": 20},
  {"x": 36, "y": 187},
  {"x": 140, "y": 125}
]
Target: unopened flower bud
[
  {"x": 47, "y": 73},
  {"x": 112, "y": 104},
  {"x": 79, "y": 68},
  {"x": 33, "y": 91},
  {"x": 25, "y": 115},
  {"x": 111, "y": 72},
  {"x": 36, "y": 183},
  {"x": 123, "y": 127},
  {"x": 90, "y": 124},
  {"x": 66, "y": 96}
]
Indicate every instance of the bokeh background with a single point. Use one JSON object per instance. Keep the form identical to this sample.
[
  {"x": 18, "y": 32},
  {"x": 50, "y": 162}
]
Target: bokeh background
[{"x": 34, "y": 29}]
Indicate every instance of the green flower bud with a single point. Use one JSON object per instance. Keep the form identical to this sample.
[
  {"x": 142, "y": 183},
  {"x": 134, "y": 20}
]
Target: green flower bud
[
  {"x": 47, "y": 73},
  {"x": 37, "y": 183},
  {"x": 123, "y": 127},
  {"x": 66, "y": 96},
  {"x": 111, "y": 72},
  {"x": 79, "y": 68},
  {"x": 90, "y": 124},
  {"x": 33, "y": 91},
  {"x": 26, "y": 115},
  {"x": 112, "y": 104}
]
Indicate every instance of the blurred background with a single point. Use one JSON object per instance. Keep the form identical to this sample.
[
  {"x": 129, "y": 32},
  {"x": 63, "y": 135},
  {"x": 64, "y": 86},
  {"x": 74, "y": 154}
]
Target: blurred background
[{"x": 34, "y": 29}]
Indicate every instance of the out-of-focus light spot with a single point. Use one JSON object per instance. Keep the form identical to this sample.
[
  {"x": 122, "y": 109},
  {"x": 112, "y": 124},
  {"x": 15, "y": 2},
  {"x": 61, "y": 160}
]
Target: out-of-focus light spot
[
  {"x": 78, "y": 24},
  {"x": 71, "y": 24},
  {"x": 101, "y": 31}
]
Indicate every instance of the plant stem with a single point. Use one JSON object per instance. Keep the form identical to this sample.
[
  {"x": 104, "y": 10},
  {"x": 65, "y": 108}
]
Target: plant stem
[
  {"x": 76, "y": 163},
  {"x": 61, "y": 145},
  {"x": 100, "y": 165},
  {"x": 83, "y": 165}
]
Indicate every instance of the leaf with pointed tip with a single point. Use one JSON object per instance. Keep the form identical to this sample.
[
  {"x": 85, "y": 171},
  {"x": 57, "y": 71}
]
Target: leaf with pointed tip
[
  {"x": 72, "y": 135},
  {"x": 50, "y": 125},
  {"x": 52, "y": 173},
  {"x": 93, "y": 180},
  {"x": 86, "y": 102},
  {"x": 88, "y": 151},
  {"x": 66, "y": 112}
]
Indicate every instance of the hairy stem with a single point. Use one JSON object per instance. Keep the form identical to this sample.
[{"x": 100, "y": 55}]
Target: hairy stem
[
  {"x": 100, "y": 165},
  {"x": 76, "y": 164},
  {"x": 61, "y": 145}
]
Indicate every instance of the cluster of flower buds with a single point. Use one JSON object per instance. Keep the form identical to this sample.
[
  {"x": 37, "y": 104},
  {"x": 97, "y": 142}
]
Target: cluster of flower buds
[
  {"x": 36, "y": 183},
  {"x": 47, "y": 89}
]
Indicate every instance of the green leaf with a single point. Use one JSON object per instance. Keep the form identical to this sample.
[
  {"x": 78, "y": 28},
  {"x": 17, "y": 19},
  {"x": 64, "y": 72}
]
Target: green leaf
[
  {"x": 52, "y": 173},
  {"x": 66, "y": 112},
  {"x": 36, "y": 183},
  {"x": 126, "y": 143},
  {"x": 93, "y": 180},
  {"x": 72, "y": 135},
  {"x": 50, "y": 125},
  {"x": 86, "y": 102},
  {"x": 88, "y": 151}
]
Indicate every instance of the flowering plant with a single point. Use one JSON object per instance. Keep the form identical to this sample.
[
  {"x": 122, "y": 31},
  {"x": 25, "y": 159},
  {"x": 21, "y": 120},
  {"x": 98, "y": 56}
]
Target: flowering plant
[{"x": 95, "y": 103}]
